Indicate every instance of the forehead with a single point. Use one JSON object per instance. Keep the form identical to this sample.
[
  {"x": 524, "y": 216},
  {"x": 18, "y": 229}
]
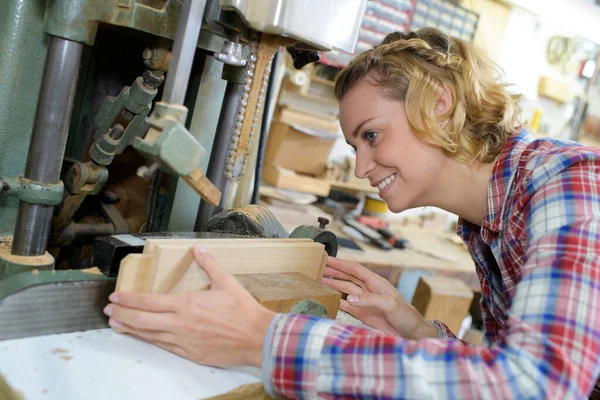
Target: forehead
[{"x": 362, "y": 102}]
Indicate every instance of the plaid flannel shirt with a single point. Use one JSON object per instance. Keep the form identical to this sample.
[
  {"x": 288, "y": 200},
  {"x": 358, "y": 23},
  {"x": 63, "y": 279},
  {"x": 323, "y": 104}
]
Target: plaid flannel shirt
[{"x": 537, "y": 255}]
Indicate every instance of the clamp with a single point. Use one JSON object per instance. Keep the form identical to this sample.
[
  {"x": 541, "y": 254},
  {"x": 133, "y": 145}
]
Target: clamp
[{"x": 46, "y": 194}]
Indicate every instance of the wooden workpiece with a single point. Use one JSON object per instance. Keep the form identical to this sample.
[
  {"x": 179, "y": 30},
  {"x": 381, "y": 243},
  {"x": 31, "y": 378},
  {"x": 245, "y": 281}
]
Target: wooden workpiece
[
  {"x": 168, "y": 266},
  {"x": 203, "y": 186},
  {"x": 281, "y": 292},
  {"x": 444, "y": 299}
]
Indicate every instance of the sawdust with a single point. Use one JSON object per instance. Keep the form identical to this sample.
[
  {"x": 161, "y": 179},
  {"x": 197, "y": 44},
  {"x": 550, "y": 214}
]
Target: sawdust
[
  {"x": 5, "y": 248},
  {"x": 250, "y": 212},
  {"x": 58, "y": 351},
  {"x": 66, "y": 358},
  {"x": 92, "y": 270}
]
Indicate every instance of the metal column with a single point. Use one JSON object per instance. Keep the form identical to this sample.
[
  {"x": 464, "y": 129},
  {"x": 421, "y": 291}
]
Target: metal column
[
  {"x": 48, "y": 140},
  {"x": 218, "y": 156}
]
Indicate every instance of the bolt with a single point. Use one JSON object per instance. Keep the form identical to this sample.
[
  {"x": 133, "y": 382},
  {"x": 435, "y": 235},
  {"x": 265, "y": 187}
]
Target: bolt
[
  {"x": 153, "y": 79},
  {"x": 323, "y": 222},
  {"x": 116, "y": 132},
  {"x": 147, "y": 54}
]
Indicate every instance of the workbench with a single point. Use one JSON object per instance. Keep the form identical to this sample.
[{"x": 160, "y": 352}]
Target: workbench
[
  {"x": 103, "y": 364},
  {"x": 432, "y": 252}
]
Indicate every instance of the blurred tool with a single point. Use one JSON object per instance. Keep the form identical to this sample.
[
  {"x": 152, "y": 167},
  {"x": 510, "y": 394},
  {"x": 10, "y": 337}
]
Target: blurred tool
[{"x": 374, "y": 237}]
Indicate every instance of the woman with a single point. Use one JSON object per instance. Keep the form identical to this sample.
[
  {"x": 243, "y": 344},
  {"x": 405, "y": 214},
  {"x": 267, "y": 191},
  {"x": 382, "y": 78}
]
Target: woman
[{"x": 431, "y": 126}]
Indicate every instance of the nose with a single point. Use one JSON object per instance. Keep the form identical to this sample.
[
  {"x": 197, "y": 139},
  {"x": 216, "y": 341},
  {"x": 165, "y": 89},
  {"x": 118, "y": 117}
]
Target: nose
[{"x": 364, "y": 165}]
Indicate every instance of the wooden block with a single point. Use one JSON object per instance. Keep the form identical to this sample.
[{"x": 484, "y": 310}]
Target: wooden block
[
  {"x": 135, "y": 274},
  {"x": 204, "y": 187},
  {"x": 167, "y": 266},
  {"x": 443, "y": 298},
  {"x": 281, "y": 292},
  {"x": 150, "y": 243},
  {"x": 286, "y": 179}
]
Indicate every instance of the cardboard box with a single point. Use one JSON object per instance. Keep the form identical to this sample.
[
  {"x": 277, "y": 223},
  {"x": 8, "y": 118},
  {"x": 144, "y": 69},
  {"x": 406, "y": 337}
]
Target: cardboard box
[{"x": 298, "y": 148}]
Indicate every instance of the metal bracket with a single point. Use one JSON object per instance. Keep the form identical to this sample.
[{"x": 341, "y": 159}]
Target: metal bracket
[
  {"x": 168, "y": 142},
  {"x": 45, "y": 194}
]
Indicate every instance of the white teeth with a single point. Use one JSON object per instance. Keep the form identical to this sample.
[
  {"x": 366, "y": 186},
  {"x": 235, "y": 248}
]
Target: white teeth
[{"x": 386, "y": 182}]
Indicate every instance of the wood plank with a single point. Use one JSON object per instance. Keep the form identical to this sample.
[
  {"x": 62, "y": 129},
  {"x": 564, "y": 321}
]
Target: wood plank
[
  {"x": 281, "y": 292},
  {"x": 175, "y": 270},
  {"x": 135, "y": 274},
  {"x": 167, "y": 266},
  {"x": 203, "y": 186},
  {"x": 151, "y": 243},
  {"x": 286, "y": 179}
]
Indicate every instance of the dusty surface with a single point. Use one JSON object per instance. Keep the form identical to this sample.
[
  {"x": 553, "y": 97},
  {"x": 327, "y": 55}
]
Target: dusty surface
[
  {"x": 5, "y": 246},
  {"x": 93, "y": 271}
]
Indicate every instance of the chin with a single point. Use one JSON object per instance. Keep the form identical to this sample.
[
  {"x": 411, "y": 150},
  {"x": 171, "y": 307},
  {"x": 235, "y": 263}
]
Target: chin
[{"x": 396, "y": 206}]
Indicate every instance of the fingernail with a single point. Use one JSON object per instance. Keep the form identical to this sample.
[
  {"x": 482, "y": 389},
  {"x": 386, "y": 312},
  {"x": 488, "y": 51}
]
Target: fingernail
[
  {"x": 352, "y": 298},
  {"x": 115, "y": 324},
  {"x": 108, "y": 310},
  {"x": 198, "y": 249},
  {"x": 114, "y": 297}
]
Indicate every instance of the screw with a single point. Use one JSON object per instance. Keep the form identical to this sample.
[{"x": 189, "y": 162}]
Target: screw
[{"x": 323, "y": 222}]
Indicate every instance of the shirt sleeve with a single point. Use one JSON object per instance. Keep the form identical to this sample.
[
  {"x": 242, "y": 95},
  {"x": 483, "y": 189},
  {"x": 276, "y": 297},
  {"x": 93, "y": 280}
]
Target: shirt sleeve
[{"x": 550, "y": 347}]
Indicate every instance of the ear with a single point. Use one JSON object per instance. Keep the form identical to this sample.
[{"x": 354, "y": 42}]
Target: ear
[{"x": 444, "y": 102}]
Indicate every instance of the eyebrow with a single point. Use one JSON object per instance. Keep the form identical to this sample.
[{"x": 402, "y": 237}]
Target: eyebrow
[{"x": 359, "y": 127}]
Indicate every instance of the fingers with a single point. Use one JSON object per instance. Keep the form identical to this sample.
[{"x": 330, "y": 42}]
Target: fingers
[
  {"x": 351, "y": 268},
  {"x": 215, "y": 273},
  {"x": 350, "y": 309},
  {"x": 383, "y": 303},
  {"x": 334, "y": 273},
  {"x": 343, "y": 286},
  {"x": 146, "y": 302},
  {"x": 155, "y": 321}
]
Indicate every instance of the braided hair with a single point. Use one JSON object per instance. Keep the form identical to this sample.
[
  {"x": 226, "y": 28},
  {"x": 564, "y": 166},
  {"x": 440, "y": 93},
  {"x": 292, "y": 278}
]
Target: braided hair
[{"x": 416, "y": 67}]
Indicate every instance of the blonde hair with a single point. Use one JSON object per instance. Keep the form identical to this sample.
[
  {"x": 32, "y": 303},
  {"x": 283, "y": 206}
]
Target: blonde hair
[{"x": 414, "y": 68}]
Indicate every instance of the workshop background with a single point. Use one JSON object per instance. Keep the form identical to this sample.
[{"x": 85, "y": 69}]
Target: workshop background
[{"x": 128, "y": 120}]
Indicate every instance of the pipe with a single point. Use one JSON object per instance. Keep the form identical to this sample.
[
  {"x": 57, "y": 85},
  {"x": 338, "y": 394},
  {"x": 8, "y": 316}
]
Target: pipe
[
  {"x": 264, "y": 129},
  {"x": 218, "y": 156},
  {"x": 184, "y": 49},
  {"x": 48, "y": 140}
]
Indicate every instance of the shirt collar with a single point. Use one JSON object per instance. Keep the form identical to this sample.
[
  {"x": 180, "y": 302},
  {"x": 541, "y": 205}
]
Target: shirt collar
[{"x": 503, "y": 174}]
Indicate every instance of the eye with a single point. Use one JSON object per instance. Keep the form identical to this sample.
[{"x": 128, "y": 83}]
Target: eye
[{"x": 370, "y": 136}]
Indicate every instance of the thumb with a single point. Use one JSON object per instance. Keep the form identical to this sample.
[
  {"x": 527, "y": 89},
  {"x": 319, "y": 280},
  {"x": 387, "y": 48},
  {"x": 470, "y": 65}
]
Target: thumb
[
  {"x": 378, "y": 301},
  {"x": 215, "y": 273}
]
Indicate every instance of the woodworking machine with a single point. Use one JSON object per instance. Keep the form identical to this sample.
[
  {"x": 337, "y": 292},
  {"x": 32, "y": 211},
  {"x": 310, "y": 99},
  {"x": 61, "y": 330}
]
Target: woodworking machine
[{"x": 127, "y": 119}]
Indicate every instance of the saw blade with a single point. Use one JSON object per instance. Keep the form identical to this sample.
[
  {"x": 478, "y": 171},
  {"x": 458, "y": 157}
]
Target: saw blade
[{"x": 247, "y": 127}]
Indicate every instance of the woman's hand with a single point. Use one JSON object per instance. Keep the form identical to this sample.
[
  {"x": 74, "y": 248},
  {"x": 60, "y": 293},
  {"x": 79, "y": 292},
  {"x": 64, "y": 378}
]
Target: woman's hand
[
  {"x": 375, "y": 301},
  {"x": 223, "y": 326}
]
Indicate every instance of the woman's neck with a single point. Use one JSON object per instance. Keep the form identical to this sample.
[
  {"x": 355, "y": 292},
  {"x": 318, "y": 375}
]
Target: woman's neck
[{"x": 462, "y": 189}]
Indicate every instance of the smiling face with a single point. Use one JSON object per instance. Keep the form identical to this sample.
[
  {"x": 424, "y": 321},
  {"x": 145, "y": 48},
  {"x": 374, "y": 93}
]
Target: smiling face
[{"x": 387, "y": 152}]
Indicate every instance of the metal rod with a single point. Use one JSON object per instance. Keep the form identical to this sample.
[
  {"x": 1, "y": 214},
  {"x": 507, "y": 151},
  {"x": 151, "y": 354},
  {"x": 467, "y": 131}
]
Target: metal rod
[
  {"x": 184, "y": 48},
  {"x": 218, "y": 156},
  {"x": 48, "y": 140},
  {"x": 264, "y": 129}
]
